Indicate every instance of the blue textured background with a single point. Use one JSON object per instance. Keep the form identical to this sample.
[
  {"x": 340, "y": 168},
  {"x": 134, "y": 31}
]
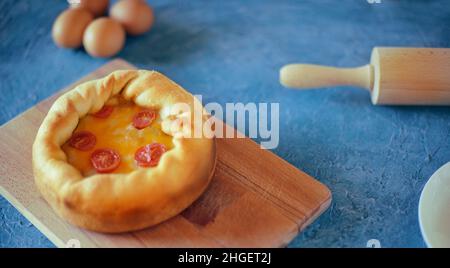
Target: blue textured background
[{"x": 374, "y": 159}]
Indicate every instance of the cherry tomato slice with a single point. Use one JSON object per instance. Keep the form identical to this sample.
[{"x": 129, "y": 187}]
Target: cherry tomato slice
[
  {"x": 82, "y": 140},
  {"x": 144, "y": 119},
  {"x": 149, "y": 155},
  {"x": 105, "y": 160},
  {"x": 104, "y": 112}
]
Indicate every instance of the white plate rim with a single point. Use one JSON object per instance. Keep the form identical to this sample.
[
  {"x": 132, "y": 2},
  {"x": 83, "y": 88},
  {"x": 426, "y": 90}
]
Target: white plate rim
[{"x": 421, "y": 210}]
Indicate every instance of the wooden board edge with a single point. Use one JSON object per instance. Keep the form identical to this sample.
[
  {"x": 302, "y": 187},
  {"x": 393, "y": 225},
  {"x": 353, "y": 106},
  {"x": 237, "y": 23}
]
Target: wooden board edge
[
  {"x": 316, "y": 214},
  {"x": 32, "y": 218}
]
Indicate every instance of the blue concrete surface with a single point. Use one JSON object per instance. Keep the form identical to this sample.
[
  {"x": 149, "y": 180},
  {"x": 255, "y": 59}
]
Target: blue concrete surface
[{"x": 374, "y": 159}]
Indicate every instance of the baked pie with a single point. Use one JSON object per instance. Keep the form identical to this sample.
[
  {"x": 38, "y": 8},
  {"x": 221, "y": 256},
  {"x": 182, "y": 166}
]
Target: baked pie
[{"x": 111, "y": 154}]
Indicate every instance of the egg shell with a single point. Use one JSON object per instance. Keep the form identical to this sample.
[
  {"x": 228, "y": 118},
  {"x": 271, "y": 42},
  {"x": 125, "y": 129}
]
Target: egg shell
[
  {"x": 96, "y": 7},
  {"x": 135, "y": 15},
  {"x": 104, "y": 37},
  {"x": 69, "y": 26}
]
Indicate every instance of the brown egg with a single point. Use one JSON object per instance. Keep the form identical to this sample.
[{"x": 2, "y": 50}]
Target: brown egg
[
  {"x": 97, "y": 7},
  {"x": 135, "y": 15},
  {"x": 104, "y": 37},
  {"x": 69, "y": 27}
]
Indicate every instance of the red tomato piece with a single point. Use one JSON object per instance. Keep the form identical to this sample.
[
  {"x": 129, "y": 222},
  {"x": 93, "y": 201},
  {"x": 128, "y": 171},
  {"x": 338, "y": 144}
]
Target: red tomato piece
[
  {"x": 104, "y": 112},
  {"x": 144, "y": 119},
  {"x": 82, "y": 140},
  {"x": 105, "y": 160},
  {"x": 149, "y": 155}
]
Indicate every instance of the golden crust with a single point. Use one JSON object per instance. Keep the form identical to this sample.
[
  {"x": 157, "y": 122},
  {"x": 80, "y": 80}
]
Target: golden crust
[{"x": 121, "y": 202}]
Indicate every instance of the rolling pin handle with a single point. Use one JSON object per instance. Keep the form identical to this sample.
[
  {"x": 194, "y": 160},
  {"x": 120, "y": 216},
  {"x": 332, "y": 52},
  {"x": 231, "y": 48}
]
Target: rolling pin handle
[{"x": 307, "y": 76}]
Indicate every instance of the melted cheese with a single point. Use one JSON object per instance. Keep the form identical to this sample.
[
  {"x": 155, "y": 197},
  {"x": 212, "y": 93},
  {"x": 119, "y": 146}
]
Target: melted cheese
[{"x": 116, "y": 132}]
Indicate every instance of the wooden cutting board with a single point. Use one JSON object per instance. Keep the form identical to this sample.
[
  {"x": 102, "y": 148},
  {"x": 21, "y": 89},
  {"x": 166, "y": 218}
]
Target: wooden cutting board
[{"x": 255, "y": 199}]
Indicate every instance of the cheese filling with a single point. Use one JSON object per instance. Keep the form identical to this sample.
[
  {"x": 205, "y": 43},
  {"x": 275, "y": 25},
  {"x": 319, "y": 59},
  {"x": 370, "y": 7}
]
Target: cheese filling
[{"x": 116, "y": 132}]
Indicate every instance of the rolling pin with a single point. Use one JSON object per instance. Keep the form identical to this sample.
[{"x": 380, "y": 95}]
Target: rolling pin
[{"x": 400, "y": 76}]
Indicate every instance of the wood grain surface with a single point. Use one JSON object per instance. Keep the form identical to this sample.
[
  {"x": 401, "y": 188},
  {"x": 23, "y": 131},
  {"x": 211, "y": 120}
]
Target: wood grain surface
[{"x": 255, "y": 199}]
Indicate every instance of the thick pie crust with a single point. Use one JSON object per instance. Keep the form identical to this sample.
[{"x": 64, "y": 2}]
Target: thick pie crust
[{"x": 122, "y": 202}]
